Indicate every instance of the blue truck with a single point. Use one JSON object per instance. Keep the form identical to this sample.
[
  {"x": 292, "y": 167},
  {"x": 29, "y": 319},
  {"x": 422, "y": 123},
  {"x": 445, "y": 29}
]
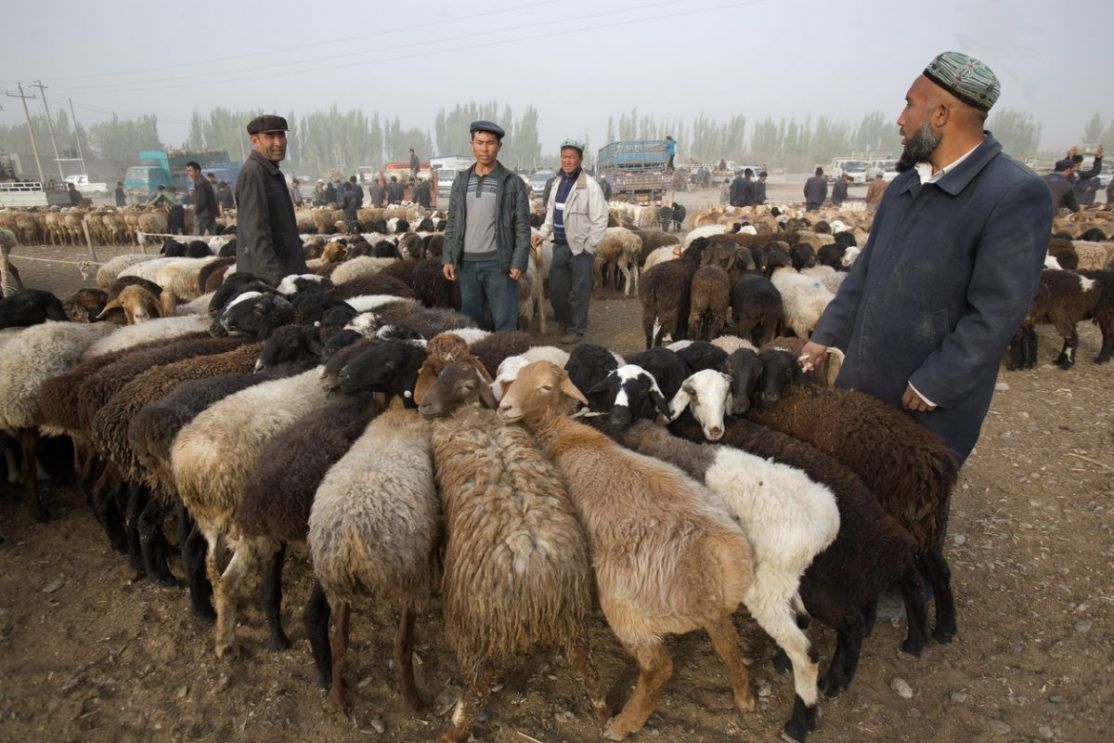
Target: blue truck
[
  {"x": 636, "y": 170},
  {"x": 159, "y": 168}
]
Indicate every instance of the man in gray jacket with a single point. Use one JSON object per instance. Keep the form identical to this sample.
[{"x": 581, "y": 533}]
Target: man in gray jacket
[
  {"x": 204, "y": 201},
  {"x": 816, "y": 190},
  {"x": 267, "y": 242},
  {"x": 575, "y": 218},
  {"x": 487, "y": 238}
]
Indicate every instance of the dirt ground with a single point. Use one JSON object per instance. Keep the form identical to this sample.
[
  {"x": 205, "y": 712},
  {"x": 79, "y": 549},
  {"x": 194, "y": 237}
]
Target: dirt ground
[{"x": 89, "y": 653}]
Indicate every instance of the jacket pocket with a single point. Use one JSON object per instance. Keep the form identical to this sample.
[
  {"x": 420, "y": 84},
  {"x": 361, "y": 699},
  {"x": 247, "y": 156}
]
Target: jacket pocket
[{"x": 940, "y": 325}]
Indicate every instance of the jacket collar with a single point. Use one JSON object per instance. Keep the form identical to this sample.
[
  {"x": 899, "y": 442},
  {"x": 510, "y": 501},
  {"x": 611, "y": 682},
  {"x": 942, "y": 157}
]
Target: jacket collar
[
  {"x": 271, "y": 167},
  {"x": 498, "y": 172},
  {"x": 957, "y": 180}
]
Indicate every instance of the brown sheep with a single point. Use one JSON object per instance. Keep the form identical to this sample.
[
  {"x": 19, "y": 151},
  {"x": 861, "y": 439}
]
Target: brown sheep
[
  {"x": 512, "y": 537},
  {"x": 709, "y": 303},
  {"x": 666, "y": 561}
]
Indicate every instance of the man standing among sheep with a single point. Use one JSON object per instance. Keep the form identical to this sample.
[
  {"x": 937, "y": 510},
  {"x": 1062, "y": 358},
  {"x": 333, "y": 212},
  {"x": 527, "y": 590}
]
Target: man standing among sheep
[
  {"x": 816, "y": 190},
  {"x": 204, "y": 201},
  {"x": 267, "y": 242},
  {"x": 487, "y": 238},
  {"x": 951, "y": 265},
  {"x": 575, "y": 218}
]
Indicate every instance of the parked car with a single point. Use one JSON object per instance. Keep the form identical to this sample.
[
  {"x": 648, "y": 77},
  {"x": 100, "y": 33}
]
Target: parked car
[
  {"x": 538, "y": 181},
  {"x": 887, "y": 168}
]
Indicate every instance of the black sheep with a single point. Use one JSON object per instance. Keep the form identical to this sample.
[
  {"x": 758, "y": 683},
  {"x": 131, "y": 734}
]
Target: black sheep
[{"x": 30, "y": 307}]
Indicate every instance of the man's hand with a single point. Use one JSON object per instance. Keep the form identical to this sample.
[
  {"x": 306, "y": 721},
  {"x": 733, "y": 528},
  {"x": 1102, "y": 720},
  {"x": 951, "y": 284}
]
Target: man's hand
[
  {"x": 912, "y": 401},
  {"x": 515, "y": 274},
  {"x": 449, "y": 271},
  {"x": 535, "y": 239},
  {"x": 811, "y": 355},
  {"x": 1098, "y": 152}
]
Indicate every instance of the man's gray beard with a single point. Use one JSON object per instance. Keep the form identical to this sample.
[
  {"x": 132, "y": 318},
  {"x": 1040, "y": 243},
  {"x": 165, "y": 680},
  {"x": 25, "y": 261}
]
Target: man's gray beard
[{"x": 919, "y": 148}]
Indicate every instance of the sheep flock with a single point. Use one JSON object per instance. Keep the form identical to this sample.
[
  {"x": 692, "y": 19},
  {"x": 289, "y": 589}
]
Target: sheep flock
[{"x": 512, "y": 492}]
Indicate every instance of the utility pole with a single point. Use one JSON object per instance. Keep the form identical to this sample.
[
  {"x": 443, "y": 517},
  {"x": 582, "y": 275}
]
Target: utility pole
[
  {"x": 30, "y": 132},
  {"x": 77, "y": 137},
  {"x": 50, "y": 128}
]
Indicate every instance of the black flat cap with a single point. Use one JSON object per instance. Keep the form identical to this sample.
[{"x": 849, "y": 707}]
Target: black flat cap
[
  {"x": 487, "y": 126},
  {"x": 267, "y": 123}
]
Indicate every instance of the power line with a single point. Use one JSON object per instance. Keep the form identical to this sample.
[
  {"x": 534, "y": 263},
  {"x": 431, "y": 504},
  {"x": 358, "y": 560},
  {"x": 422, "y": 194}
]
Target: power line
[
  {"x": 178, "y": 82},
  {"x": 332, "y": 40}
]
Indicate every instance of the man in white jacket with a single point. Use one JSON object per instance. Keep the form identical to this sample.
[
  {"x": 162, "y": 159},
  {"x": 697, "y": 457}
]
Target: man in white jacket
[{"x": 575, "y": 219}]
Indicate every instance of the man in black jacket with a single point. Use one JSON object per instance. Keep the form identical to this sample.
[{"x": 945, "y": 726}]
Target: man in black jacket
[
  {"x": 760, "y": 189},
  {"x": 395, "y": 191},
  {"x": 816, "y": 190},
  {"x": 121, "y": 195},
  {"x": 839, "y": 190},
  {"x": 267, "y": 242},
  {"x": 204, "y": 201}
]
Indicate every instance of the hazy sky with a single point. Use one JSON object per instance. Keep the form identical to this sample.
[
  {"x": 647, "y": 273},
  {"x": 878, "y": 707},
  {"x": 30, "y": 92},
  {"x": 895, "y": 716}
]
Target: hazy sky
[{"x": 577, "y": 61}]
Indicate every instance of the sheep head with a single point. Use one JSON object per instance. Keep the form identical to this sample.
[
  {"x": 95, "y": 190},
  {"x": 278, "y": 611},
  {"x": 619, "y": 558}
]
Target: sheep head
[
  {"x": 745, "y": 370},
  {"x": 632, "y": 394},
  {"x": 541, "y": 389},
  {"x": 781, "y": 372},
  {"x": 390, "y": 367},
  {"x": 458, "y": 385},
  {"x": 708, "y": 394}
]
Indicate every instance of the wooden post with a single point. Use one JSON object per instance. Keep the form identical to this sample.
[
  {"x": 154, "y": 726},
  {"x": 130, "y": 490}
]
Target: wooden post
[{"x": 89, "y": 241}]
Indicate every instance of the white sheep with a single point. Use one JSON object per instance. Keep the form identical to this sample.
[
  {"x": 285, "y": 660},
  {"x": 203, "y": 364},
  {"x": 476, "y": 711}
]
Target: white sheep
[
  {"x": 804, "y": 299},
  {"x": 372, "y": 532},
  {"x": 210, "y": 461},
  {"x": 788, "y": 518},
  {"x": 159, "y": 329}
]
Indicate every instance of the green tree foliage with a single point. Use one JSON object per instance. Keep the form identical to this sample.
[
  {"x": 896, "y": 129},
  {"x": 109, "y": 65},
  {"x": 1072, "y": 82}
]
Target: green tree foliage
[
  {"x": 14, "y": 138},
  {"x": 1018, "y": 134},
  {"x": 1092, "y": 133},
  {"x": 120, "y": 140}
]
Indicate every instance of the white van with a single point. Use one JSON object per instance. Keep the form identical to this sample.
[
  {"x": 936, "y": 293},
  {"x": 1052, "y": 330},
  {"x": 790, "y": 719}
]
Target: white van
[
  {"x": 887, "y": 169},
  {"x": 450, "y": 162}
]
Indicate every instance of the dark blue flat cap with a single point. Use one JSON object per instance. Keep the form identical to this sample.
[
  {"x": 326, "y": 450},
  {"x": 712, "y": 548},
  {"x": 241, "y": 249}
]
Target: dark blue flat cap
[
  {"x": 267, "y": 123},
  {"x": 487, "y": 126}
]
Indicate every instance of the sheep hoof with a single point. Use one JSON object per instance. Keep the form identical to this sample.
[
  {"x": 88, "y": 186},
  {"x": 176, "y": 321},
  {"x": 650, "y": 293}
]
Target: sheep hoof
[
  {"x": 611, "y": 733},
  {"x": 165, "y": 579},
  {"x": 231, "y": 650},
  {"x": 279, "y": 642},
  {"x": 943, "y": 635},
  {"x": 832, "y": 684},
  {"x": 802, "y": 722},
  {"x": 746, "y": 702},
  {"x": 40, "y": 514}
]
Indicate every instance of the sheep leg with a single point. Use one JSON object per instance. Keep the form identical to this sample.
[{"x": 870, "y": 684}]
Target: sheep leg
[
  {"x": 153, "y": 544},
  {"x": 725, "y": 641},
  {"x": 271, "y": 590},
  {"x": 774, "y": 613},
  {"x": 912, "y": 590},
  {"x": 870, "y": 616},
  {"x": 136, "y": 501},
  {"x": 29, "y": 444},
  {"x": 315, "y": 618},
  {"x": 1107, "y": 349},
  {"x": 940, "y": 578},
  {"x": 845, "y": 661},
  {"x": 226, "y": 595},
  {"x": 105, "y": 509},
  {"x": 625, "y": 268},
  {"x": 194, "y": 558},
  {"x": 335, "y": 703},
  {"x": 477, "y": 689},
  {"x": 654, "y": 669},
  {"x": 404, "y": 660},
  {"x": 581, "y": 660}
]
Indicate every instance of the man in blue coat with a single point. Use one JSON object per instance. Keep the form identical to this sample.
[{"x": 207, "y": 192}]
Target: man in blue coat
[{"x": 951, "y": 265}]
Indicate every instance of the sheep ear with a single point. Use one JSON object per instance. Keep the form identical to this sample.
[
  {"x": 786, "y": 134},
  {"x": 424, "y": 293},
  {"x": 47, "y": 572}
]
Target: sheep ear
[
  {"x": 660, "y": 403},
  {"x": 113, "y": 305},
  {"x": 314, "y": 345},
  {"x": 487, "y": 397},
  {"x": 680, "y": 401},
  {"x": 482, "y": 370},
  {"x": 572, "y": 391}
]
